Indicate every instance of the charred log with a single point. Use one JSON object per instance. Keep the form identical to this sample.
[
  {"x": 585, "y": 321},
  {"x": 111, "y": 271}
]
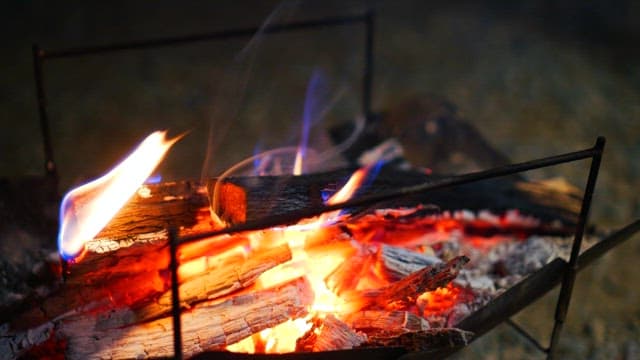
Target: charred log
[
  {"x": 206, "y": 327},
  {"x": 403, "y": 293},
  {"x": 374, "y": 321},
  {"x": 250, "y": 198},
  {"x": 424, "y": 340},
  {"x": 329, "y": 333},
  {"x": 231, "y": 276}
]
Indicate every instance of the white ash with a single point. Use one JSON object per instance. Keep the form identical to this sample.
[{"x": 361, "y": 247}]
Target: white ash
[
  {"x": 476, "y": 280},
  {"x": 524, "y": 258}
]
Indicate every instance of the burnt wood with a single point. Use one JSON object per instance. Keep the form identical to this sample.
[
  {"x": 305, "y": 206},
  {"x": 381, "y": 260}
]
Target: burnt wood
[
  {"x": 243, "y": 199},
  {"x": 401, "y": 294}
]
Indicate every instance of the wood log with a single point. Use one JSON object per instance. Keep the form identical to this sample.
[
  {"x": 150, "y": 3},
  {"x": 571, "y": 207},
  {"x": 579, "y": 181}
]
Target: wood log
[
  {"x": 210, "y": 326},
  {"x": 346, "y": 276},
  {"x": 373, "y": 321},
  {"x": 250, "y": 198},
  {"x": 329, "y": 333},
  {"x": 107, "y": 288},
  {"x": 434, "y": 340},
  {"x": 229, "y": 277},
  {"x": 396, "y": 263},
  {"x": 402, "y": 294}
]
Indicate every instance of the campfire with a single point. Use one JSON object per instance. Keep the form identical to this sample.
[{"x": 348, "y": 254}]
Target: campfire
[
  {"x": 378, "y": 260},
  {"x": 252, "y": 279}
]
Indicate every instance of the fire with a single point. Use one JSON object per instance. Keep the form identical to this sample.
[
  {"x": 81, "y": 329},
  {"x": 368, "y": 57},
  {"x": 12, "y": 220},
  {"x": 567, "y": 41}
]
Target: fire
[
  {"x": 87, "y": 209},
  {"x": 313, "y": 262}
]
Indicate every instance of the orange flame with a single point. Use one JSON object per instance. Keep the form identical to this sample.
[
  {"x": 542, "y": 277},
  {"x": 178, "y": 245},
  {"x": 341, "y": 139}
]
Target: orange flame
[
  {"x": 87, "y": 209},
  {"x": 314, "y": 263}
]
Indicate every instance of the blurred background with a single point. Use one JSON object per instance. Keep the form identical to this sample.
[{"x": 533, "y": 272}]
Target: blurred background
[{"x": 536, "y": 78}]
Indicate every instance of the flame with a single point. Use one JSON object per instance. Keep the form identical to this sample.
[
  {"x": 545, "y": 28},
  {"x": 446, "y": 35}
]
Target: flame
[
  {"x": 87, "y": 209},
  {"x": 313, "y": 262}
]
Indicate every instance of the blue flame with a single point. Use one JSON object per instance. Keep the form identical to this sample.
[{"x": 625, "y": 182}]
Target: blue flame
[
  {"x": 311, "y": 110},
  {"x": 153, "y": 179}
]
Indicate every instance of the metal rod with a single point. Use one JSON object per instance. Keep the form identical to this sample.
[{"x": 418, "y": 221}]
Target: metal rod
[
  {"x": 613, "y": 240},
  {"x": 175, "y": 294},
  {"x": 564, "y": 299},
  {"x": 49, "y": 164},
  {"x": 524, "y": 333},
  {"x": 295, "y": 216},
  {"x": 151, "y": 43},
  {"x": 368, "y": 64}
]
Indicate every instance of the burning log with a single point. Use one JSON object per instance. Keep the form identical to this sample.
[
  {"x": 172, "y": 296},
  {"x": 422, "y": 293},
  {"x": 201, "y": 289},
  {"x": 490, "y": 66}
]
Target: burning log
[
  {"x": 347, "y": 275},
  {"x": 218, "y": 282},
  {"x": 423, "y": 340},
  {"x": 396, "y": 262},
  {"x": 329, "y": 334},
  {"x": 371, "y": 321},
  {"x": 206, "y": 327},
  {"x": 244, "y": 199},
  {"x": 401, "y": 294}
]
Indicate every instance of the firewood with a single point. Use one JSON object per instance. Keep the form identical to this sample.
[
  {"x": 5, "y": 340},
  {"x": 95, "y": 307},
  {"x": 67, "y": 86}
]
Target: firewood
[
  {"x": 206, "y": 327},
  {"x": 329, "y": 333},
  {"x": 402, "y": 294},
  {"x": 250, "y": 198},
  {"x": 395, "y": 262},
  {"x": 371, "y": 321},
  {"x": 423, "y": 340},
  {"x": 347, "y": 275},
  {"x": 218, "y": 282}
]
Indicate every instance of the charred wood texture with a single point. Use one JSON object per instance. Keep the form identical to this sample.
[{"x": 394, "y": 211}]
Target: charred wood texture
[
  {"x": 432, "y": 340},
  {"x": 395, "y": 262},
  {"x": 329, "y": 333},
  {"x": 403, "y": 293},
  {"x": 373, "y": 321},
  {"x": 251, "y": 198},
  {"x": 205, "y": 327},
  {"x": 229, "y": 277}
]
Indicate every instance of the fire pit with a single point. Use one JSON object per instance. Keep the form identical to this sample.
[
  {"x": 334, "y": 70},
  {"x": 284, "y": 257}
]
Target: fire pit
[{"x": 412, "y": 294}]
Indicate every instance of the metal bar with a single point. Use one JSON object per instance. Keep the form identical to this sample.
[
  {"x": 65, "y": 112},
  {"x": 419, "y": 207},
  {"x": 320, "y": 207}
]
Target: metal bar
[
  {"x": 151, "y": 43},
  {"x": 602, "y": 247},
  {"x": 49, "y": 164},
  {"x": 295, "y": 216},
  {"x": 524, "y": 333},
  {"x": 175, "y": 294},
  {"x": 368, "y": 64},
  {"x": 564, "y": 299}
]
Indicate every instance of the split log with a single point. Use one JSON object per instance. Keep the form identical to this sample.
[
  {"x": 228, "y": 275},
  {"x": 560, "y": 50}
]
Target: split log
[
  {"x": 396, "y": 263},
  {"x": 424, "y": 340},
  {"x": 372, "y": 321},
  {"x": 218, "y": 282},
  {"x": 206, "y": 327},
  {"x": 244, "y": 199},
  {"x": 328, "y": 334},
  {"x": 403, "y": 293}
]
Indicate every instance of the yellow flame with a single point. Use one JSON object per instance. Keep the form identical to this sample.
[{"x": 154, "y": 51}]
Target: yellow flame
[{"x": 87, "y": 209}]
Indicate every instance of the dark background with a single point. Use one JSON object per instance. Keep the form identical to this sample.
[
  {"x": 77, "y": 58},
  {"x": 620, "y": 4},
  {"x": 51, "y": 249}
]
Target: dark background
[{"x": 536, "y": 78}]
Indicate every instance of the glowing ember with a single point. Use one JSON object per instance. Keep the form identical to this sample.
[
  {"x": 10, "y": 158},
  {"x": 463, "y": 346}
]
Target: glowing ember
[{"x": 87, "y": 209}]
